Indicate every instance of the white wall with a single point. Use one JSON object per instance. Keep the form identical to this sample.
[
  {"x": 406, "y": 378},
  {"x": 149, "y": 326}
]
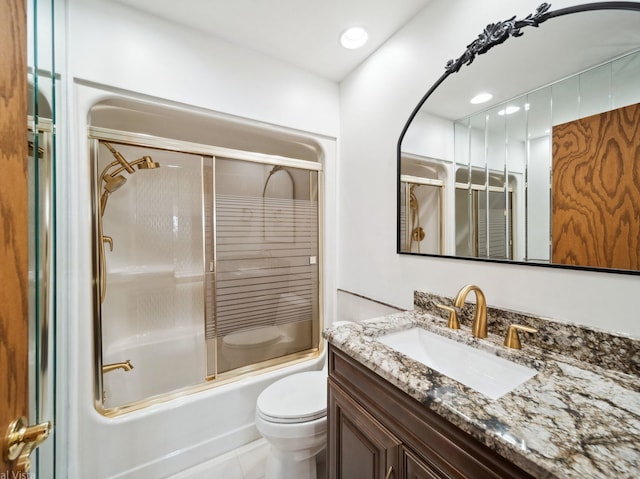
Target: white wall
[
  {"x": 430, "y": 136},
  {"x": 115, "y": 52},
  {"x": 376, "y": 100},
  {"x": 116, "y": 46},
  {"x": 352, "y": 307}
]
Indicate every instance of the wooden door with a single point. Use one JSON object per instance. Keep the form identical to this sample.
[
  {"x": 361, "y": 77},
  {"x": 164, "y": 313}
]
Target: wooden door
[
  {"x": 13, "y": 217},
  {"x": 596, "y": 190},
  {"x": 359, "y": 447}
]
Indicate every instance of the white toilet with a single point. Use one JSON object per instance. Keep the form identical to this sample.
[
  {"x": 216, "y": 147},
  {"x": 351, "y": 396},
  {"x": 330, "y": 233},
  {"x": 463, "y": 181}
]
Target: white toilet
[
  {"x": 291, "y": 414},
  {"x": 250, "y": 346}
]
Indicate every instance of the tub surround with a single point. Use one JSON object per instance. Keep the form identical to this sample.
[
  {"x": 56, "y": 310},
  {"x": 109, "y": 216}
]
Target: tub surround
[{"x": 579, "y": 417}]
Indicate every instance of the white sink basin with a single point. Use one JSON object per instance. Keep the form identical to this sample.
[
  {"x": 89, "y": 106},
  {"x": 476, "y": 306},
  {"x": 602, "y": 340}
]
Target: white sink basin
[{"x": 484, "y": 372}]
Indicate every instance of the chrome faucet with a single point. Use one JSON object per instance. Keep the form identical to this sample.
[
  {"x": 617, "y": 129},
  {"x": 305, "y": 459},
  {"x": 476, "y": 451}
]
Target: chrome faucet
[{"x": 479, "y": 325}]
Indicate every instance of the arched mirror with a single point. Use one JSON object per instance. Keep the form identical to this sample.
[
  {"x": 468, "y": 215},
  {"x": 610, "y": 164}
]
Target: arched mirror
[{"x": 545, "y": 170}]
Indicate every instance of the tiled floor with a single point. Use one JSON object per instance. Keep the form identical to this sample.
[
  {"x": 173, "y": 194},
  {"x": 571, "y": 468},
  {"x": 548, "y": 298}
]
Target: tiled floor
[{"x": 247, "y": 462}]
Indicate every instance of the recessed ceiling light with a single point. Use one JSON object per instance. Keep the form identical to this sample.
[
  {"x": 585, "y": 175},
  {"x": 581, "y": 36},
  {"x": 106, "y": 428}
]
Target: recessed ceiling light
[
  {"x": 354, "y": 37},
  {"x": 509, "y": 110},
  {"x": 481, "y": 98}
]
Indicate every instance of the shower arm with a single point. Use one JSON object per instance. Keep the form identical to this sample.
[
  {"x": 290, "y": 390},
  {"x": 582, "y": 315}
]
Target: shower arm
[
  {"x": 119, "y": 158},
  {"x": 145, "y": 160},
  {"x": 142, "y": 163}
]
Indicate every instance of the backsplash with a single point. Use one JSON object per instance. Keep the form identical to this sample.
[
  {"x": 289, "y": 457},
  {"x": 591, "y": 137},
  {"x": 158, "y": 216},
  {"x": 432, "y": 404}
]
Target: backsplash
[{"x": 596, "y": 347}]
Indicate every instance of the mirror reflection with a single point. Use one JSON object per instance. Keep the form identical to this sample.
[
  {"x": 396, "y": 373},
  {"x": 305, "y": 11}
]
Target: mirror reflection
[{"x": 545, "y": 171}]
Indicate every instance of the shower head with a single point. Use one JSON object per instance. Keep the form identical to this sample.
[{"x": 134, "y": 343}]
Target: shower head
[
  {"x": 125, "y": 164},
  {"x": 111, "y": 183},
  {"x": 114, "y": 180},
  {"x": 146, "y": 163}
]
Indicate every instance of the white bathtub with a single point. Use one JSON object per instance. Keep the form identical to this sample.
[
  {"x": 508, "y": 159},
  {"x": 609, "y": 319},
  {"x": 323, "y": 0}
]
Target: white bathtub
[
  {"x": 171, "y": 436},
  {"x": 161, "y": 363}
]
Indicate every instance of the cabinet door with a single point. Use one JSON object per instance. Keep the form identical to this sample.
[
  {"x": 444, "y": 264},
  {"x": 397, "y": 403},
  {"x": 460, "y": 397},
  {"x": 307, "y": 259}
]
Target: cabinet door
[
  {"x": 359, "y": 446},
  {"x": 415, "y": 468}
]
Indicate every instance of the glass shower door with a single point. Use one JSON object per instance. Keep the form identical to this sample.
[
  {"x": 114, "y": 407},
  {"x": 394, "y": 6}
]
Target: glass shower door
[
  {"x": 41, "y": 293},
  {"x": 150, "y": 270},
  {"x": 266, "y": 265},
  {"x": 421, "y": 216},
  {"x": 38, "y": 458},
  {"x": 205, "y": 268}
]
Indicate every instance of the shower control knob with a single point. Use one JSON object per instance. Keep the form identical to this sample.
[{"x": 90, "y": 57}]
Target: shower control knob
[{"x": 418, "y": 234}]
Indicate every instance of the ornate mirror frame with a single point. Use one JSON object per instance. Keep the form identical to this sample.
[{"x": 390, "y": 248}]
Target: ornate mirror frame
[{"x": 493, "y": 35}]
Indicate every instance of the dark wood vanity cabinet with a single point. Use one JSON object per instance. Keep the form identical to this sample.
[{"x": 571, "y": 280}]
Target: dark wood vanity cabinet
[
  {"x": 415, "y": 468},
  {"x": 363, "y": 447},
  {"x": 376, "y": 431}
]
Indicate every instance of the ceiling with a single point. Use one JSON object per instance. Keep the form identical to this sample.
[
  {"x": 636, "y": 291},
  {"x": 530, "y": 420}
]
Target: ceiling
[
  {"x": 560, "y": 48},
  {"x": 303, "y": 33}
]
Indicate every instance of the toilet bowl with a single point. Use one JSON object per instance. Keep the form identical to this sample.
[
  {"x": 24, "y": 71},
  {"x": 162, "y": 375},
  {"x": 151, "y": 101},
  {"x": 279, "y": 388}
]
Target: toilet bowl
[
  {"x": 250, "y": 346},
  {"x": 259, "y": 343},
  {"x": 291, "y": 414}
]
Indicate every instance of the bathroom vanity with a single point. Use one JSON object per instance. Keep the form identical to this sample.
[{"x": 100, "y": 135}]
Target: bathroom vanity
[
  {"x": 377, "y": 431},
  {"x": 393, "y": 417}
]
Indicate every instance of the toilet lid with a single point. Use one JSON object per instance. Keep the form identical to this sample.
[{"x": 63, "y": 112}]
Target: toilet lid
[{"x": 300, "y": 397}]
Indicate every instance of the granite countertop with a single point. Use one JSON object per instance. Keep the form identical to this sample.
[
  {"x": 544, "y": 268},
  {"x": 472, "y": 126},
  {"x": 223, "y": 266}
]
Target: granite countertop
[{"x": 574, "y": 419}]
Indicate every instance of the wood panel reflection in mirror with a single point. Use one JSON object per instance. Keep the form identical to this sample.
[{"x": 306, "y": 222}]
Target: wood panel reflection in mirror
[
  {"x": 497, "y": 163},
  {"x": 595, "y": 208}
]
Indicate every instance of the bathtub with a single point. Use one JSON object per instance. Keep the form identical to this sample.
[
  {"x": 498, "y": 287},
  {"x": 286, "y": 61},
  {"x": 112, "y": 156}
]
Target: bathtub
[
  {"x": 169, "y": 436},
  {"x": 161, "y": 363}
]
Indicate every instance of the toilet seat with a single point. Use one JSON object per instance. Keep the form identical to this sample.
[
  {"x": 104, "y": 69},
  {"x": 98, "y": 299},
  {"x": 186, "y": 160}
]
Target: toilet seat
[{"x": 298, "y": 398}]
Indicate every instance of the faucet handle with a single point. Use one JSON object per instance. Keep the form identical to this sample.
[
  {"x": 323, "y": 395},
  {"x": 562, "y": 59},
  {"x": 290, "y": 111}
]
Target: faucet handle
[
  {"x": 512, "y": 340},
  {"x": 453, "y": 316}
]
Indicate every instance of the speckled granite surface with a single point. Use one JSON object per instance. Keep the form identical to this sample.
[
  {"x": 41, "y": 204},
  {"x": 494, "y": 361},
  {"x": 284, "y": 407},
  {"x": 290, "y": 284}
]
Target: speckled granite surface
[
  {"x": 584, "y": 344},
  {"x": 574, "y": 419}
]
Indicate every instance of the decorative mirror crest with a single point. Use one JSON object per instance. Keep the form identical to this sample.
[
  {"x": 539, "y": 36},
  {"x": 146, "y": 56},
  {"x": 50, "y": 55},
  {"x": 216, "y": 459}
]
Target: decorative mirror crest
[{"x": 497, "y": 33}]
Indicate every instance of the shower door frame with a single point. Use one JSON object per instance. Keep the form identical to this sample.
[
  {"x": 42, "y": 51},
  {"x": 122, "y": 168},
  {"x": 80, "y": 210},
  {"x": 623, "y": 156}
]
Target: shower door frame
[
  {"x": 474, "y": 213},
  {"x": 42, "y": 381},
  {"x": 409, "y": 180},
  {"x": 97, "y": 134}
]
